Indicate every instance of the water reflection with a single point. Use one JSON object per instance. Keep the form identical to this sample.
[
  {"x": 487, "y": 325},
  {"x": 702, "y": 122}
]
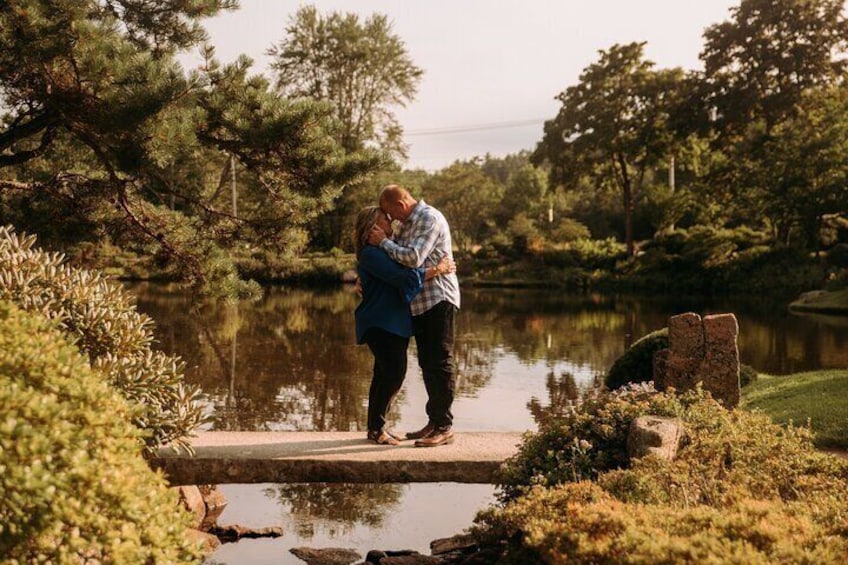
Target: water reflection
[
  {"x": 289, "y": 361},
  {"x": 563, "y": 393},
  {"x": 343, "y": 506},
  {"x": 412, "y": 516}
]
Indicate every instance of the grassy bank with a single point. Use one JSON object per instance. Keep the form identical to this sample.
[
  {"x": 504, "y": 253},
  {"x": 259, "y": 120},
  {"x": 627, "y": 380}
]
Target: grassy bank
[
  {"x": 818, "y": 396},
  {"x": 835, "y": 302}
]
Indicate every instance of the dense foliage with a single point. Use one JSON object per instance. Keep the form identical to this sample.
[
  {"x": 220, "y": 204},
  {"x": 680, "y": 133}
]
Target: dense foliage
[
  {"x": 102, "y": 320},
  {"x": 741, "y": 490},
  {"x": 723, "y": 180},
  {"x": 636, "y": 365},
  {"x": 360, "y": 67},
  {"x": 73, "y": 486},
  {"x": 99, "y": 121}
]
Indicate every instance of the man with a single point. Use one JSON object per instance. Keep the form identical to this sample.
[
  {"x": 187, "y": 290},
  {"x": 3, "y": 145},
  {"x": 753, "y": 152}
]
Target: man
[{"x": 422, "y": 240}]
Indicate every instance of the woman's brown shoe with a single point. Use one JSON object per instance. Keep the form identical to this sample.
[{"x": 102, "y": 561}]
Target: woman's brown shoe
[{"x": 381, "y": 437}]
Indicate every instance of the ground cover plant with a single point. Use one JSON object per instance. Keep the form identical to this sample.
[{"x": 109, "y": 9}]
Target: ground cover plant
[
  {"x": 102, "y": 319},
  {"x": 741, "y": 490},
  {"x": 73, "y": 485}
]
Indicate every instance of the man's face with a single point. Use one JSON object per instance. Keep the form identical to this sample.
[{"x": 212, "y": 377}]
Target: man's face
[{"x": 394, "y": 210}]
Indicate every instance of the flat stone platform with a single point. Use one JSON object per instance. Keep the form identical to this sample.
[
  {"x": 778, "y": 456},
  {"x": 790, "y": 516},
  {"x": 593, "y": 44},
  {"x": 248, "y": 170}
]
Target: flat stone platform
[{"x": 336, "y": 457}]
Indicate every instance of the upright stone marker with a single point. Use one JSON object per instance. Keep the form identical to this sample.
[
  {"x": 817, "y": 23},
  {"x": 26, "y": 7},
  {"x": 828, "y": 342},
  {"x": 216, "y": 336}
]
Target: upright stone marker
[
  {"x": 720, "y": 367},
  {"x": 701, "y": 351}
]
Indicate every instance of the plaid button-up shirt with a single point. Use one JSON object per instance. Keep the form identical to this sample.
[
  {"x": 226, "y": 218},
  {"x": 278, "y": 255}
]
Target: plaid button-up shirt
[{"x": 421, "y": 241}]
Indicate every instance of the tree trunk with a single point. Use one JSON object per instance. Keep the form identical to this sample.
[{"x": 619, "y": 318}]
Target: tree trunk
[
  {"x": 628, "y": 219},
  {"x": 627, "y": 192}
]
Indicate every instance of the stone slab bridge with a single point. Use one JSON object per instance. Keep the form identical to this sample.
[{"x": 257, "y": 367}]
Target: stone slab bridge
[{"x": 334, "y": 457}]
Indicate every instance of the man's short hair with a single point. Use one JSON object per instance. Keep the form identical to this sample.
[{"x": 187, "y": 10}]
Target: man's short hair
[{"x": 393, "y": 193}]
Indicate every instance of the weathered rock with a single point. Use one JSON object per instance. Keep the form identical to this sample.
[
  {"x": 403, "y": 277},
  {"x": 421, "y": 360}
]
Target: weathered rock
[
  {"x": 292, "y": 457},
  {"x": 207, "y": 542},
  {"x": 462, "y": 542},
  {"x": 685, "y": 351},
  {"x": 720, "y": 366},
  {"x": 659, "y": 366},
  {"x": 414, "y": 559},
  {"x": 235, "y": 532},
  {"x": 377, "y": 556},
  {"x": 329, "y": 556},
  {"x": 192, "y": 500},
  {"x": 686, "y": 335},
  {"x": 654, "y": 435},
  {"x": 485, "y": 556},
  {"x": 216, "y": 502},
  {"x": 701, "y": 352}
]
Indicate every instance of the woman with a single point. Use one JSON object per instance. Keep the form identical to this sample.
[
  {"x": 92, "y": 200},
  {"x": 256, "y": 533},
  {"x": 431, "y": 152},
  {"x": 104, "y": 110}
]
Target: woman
[{"x": 383, "y": 320}]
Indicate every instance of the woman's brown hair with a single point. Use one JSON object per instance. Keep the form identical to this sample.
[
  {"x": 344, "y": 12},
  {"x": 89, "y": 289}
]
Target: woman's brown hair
[{"x": 365, "y": 222}]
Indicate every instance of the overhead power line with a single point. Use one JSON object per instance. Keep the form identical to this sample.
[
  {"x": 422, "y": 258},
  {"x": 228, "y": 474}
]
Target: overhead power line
[{"x": 474, "y": 127}]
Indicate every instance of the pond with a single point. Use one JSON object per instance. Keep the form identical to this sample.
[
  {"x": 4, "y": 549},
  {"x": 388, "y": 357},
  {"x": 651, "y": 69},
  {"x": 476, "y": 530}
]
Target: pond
[{"x": 289, "y": 362}]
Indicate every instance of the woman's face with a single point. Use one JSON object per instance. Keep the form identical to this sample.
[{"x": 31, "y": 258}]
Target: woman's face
[{"x": 384, "y": 224}]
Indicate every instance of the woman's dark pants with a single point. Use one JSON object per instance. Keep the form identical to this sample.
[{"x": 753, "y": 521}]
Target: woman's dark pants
[{"x": 389, "y": 371}]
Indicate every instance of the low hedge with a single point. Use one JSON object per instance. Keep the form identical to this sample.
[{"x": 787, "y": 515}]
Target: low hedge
[{"x": 73, "y": 485}]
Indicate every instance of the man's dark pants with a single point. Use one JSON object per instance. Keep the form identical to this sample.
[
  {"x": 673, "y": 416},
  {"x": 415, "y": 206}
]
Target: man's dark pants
[
  {"x": 389, "y": 371},
  {"x": 434, "y": 337}
]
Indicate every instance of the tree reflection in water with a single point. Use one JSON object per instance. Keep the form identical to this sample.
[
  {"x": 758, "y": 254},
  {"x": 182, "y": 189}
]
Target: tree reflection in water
[
  {"x": 563, "y": 394},
  {"x": 290, "y": 362},
  {"x": 339, "y": 507}
]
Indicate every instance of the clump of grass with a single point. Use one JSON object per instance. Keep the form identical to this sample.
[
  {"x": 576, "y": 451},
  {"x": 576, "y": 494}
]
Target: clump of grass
[{"x": 835, "y": 302}]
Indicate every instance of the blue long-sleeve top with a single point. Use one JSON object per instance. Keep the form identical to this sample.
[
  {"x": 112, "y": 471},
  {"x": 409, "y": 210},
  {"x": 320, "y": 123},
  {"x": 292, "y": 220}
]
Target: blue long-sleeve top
[{"x": 387, "y": 290}]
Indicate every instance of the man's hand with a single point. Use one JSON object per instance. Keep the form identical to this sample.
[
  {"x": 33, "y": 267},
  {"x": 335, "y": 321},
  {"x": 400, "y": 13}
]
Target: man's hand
[
  {"x": 357, "y": 287},
  {"x": 376, "y": 236}
]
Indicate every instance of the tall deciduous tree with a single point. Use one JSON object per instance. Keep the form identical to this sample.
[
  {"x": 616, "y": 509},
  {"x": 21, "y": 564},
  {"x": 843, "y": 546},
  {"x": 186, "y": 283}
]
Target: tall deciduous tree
[
  {"x": 758, "y": 64},
  {"x": 362, "y": 68},
  {"x": 98, "y": 115},
  {"x": 767, "y": 70},
  {"x": 800, "y": 174},
  {"x": 613, "y": 126},
  {"x": 468, "y": 199}
]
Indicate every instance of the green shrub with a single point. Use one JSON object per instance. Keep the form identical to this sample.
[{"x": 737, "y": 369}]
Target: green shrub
[
  {"x": 837, "y": 256},
  {"x": 581, "y": 523},
  {"x": 117, "y": 339},
  {"x": 598, "y": 253},
  {"x": 741, "y": 490},
  {"x": 587, "y": 441},
  {"x": 636, "y": 364},
  {"x": 747, "y": 375},
  {"x": 705, "y": 259},
  {"x": 73, "y": 486},
  {"x": 569, "y": 229},
  {"x": 784, "y": 270}
]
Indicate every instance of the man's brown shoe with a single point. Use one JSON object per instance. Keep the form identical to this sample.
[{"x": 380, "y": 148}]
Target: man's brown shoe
[
  {"x": 440, "y": 436},
  {"x": 426, "y": 431}
]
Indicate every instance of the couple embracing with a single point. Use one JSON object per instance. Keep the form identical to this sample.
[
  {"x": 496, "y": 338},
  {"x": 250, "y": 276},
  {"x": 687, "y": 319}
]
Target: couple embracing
[{"x": 409, "y": 288}]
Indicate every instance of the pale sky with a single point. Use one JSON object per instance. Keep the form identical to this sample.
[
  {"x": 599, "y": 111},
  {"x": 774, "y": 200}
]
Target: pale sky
[{"x": 490, "y": 66}]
